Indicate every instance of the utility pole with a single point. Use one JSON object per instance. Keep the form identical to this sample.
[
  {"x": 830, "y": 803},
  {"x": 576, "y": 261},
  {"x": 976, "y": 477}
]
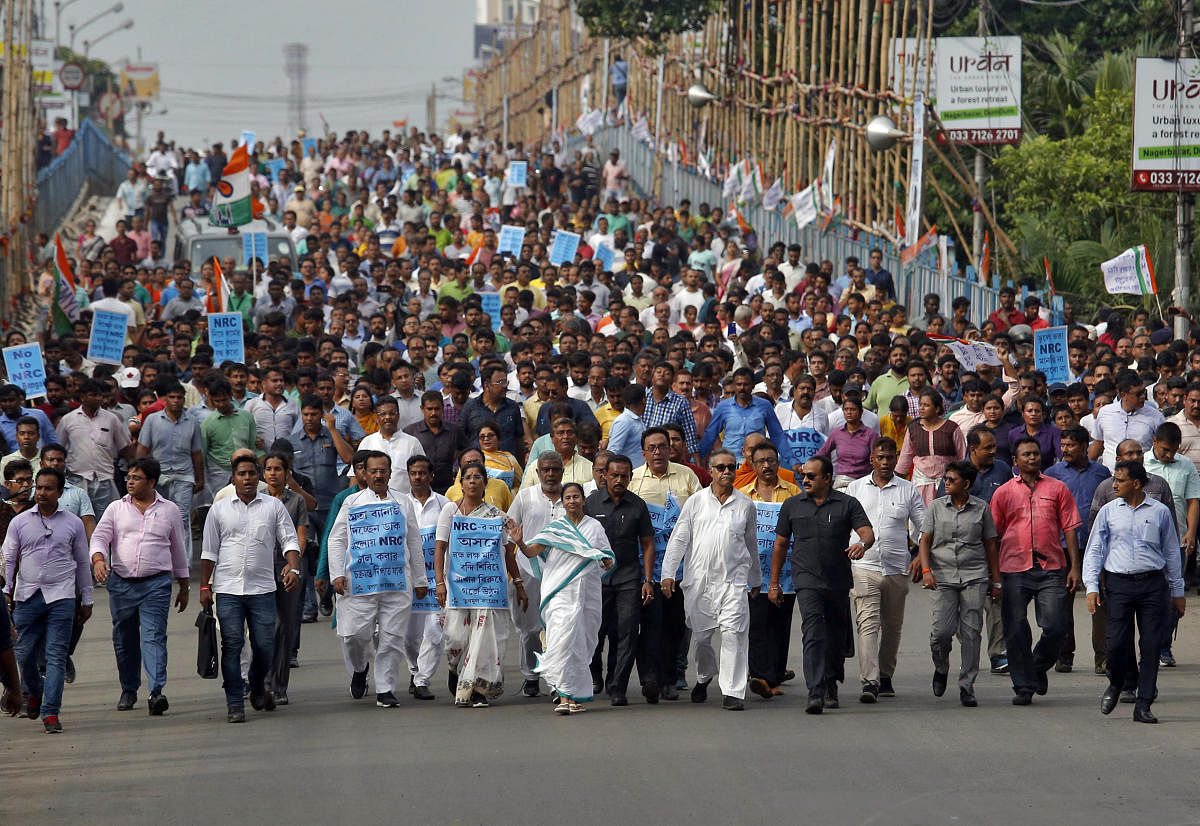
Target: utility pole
[
  {"x": 1184, "y": 201},
  {"x": 980, "y": 160},
  {"x": 431, "y": 110}
]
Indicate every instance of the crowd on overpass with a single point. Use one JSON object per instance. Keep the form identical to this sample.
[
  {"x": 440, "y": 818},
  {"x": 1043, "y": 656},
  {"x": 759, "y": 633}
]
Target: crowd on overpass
[{"x": 664, "y": 429}]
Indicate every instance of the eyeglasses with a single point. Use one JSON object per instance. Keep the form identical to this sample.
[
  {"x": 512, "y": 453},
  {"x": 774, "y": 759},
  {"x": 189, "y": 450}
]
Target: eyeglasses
[
  {"x": 655, "y": 448},
  {"x": 803, "y": 475},
  {"x": 724, "y": 468}
]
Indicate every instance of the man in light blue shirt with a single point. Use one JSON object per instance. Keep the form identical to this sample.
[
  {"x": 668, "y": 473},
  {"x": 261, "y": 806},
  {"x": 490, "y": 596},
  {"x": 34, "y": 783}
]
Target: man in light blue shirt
[
  {"x": 625, "y": 435},
  {"x": 740, "y": 416},
  {"x": 1134, "y": 543}
]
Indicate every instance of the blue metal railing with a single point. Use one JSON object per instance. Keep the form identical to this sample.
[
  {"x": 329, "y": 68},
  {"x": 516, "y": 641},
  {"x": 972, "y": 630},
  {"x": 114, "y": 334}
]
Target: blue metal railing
[
  {"x": 90, "y": 156},
  {"x": 913, "y": 281}
]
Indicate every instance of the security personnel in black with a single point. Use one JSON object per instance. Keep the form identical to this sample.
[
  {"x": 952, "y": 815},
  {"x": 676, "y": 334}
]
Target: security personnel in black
[
  {"x": 820, "y": 520},
  {"x": 626, "y": 522}
]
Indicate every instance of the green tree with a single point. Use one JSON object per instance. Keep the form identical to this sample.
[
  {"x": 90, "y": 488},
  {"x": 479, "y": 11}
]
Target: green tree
[{"x": 650, "y": 19}]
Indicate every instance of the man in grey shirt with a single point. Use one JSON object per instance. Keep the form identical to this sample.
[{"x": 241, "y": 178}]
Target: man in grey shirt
[
  {"x": 172, "y": 436},
  {"x": 178, "y": 306},
  {"x": 958, "y": 555}
]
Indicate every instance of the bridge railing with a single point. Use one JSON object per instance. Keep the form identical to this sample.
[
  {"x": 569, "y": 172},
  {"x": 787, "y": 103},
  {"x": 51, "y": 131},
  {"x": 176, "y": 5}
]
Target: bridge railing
[{"x": 91, "y": 157}]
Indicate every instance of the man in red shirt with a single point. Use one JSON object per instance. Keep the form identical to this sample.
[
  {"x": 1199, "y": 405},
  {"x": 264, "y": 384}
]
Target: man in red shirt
[
  {"x": 1033, "y": 514},
  {"x": 62, "y": 136},
  {"x": 124, "y": 247},
  {"x": 1032, "y": 317},
  {"x": 1008, "y": 314}
]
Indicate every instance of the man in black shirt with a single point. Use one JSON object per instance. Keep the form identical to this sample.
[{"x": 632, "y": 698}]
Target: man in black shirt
[
  {"x": 626, "y": 522},
  {"x": 819, "y": 520}
]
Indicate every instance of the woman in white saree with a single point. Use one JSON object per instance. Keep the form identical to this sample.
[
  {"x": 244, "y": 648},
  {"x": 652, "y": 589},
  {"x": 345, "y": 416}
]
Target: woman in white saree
[{"x": 568, "y": 555}]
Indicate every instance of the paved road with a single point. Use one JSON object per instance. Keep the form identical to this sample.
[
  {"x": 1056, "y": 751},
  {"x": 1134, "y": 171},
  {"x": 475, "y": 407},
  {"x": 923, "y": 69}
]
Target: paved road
[{"x": 326, "y": 758}]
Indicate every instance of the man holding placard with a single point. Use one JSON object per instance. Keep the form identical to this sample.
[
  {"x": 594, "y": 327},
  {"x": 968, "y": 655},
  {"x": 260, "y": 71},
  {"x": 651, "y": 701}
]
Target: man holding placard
[{"x": 374, "y": 551}]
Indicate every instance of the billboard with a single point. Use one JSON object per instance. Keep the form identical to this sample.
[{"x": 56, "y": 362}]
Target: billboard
[
  {"x": 1166, "y": 124},
  {"x": 978, "y": 89},
  {"x": 139, "y": 82},
  {"x": 912, "y": 60}
]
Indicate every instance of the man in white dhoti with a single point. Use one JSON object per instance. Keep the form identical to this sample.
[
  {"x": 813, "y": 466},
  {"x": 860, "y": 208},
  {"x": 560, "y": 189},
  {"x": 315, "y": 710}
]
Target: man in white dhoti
[
  {"x": 716, "y": 539},
  {"x": 423, "y": 642},
  {"x": 375, "y": 580},
  {"x": 568, "y": 555},
  {"x": 534, "y": 508}
]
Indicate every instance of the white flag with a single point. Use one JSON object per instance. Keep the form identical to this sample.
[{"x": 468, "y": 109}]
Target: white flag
[
  {"x": 804, "y": 207},
  {"x": 1130, "y": 273},
  {"x": 773, "y": 196}
]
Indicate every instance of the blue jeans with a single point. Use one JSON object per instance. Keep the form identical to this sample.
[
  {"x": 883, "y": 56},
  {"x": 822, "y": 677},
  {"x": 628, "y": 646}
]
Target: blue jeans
[
  {"x": 38, "y": 621},
  {"x": 236, "y": 614},
  {"x": 140, "y": 608},
  {"x": 102, "y": 492},
  {"x": 158, "y": 231},
  {"x": 179, "y": 491},
  {"x": 1047, "y": 590}
]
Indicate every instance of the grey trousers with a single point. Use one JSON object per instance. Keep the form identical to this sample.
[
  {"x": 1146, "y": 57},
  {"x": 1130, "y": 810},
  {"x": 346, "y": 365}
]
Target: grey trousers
[{"x": 958, "y": 609}]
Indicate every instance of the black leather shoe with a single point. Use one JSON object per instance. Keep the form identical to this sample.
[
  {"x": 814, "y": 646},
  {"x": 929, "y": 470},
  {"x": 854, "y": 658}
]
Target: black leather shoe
[
  {"x": 1108, "y": 700},
  {"x": 967, "y": 698},
  {"x": 650, "y": 692},
  {"x": 422, "y": 692},
  {"x": 1041, "y": 683},
  {"x": 1128, "y": 696},
  {"x": 158, "y": 704},
  {"x": 452, "y": 683},
  {"x": 700, "y": 692},
  {"x": 358, "y": 683},
  {"x": 1144, "y": 715},
  {"x": 733, "y": 703},
  {"x": 939, "y": 683},
  {"x": 281, "y": 698},
  {"x": 618, "y": 699},
  {"x": 1022, "y": 699},
  {"x": 531, "y": 688},
  {"x": 69, "y": 673},
  {"x": 262, "y": 702},
  {"x": 815, "y": 705},
  {"x": 128, "y": 700}
]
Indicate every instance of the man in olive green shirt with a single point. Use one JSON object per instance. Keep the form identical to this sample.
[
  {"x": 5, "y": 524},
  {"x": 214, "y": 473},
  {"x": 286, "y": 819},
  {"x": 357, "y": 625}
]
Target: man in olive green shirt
[
  {"x": 889, "y": 384},
  {"x": 223, "y": 431}
]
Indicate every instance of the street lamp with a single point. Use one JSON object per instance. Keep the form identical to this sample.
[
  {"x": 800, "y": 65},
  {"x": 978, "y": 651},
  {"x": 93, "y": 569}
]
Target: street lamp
[
  {"x": 87, "y": 44},
  {"x": 116, "y": 8},
  {"x": 58, "y": 7}
]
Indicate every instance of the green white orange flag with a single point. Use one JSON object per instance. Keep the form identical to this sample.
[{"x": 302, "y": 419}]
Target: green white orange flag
[
  {"x": 1130, "y": 273},
  {"x": 65, "y": 309},
  {"x": 218, "y": 298},
  {"x": 232, "y": 206}
]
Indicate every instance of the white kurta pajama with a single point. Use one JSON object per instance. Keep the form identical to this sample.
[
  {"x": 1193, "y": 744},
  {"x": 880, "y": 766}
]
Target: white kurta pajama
[
  {"x": 718, "y": 546},
  {"x": 358, "y": 614},
  {"x": 571, "y": 608},
  {"x": 474, "y": 637},
  {"x": 423, "y": 642}
]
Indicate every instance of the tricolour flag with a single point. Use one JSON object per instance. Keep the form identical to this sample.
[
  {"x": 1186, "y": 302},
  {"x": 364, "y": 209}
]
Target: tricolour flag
[
  {"x": 232, "y": 206},
  {"x": 985, "y": 260},
  {"x": 218, "y": 299},
  {"x": 1130, "y": 273},
  {"x": 735, "y": 214},
  {"x": 65, "y": 309},
  {"x": 1049, "y": 277}
]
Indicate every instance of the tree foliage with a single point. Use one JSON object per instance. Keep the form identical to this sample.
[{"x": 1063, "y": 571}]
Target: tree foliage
[{"x": 649, "y": 19}]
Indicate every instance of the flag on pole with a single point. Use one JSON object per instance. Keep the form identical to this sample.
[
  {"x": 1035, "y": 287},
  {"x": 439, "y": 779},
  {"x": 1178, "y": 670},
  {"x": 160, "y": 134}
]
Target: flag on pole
[
  {"x": 218, "y": 298},
  {"x": 773, "y": 196},
  {"x": 899, "y": 223},
  {"x": 474, "y": 254},
  {"x": 1049, "y": 278},
  {"x": 704, "y": 162},
  {"x": 683, "y": 155},
  {"x": 735, "y": 214},
  {"x": 65, "y": 309},
  {"x": 832, "y": 214},
  {"x": 985, "y": 260},
  {"x": 400, "y": 124},
  {"x": 232, "y": 206},
  {"x": 1130, "y": 273}
]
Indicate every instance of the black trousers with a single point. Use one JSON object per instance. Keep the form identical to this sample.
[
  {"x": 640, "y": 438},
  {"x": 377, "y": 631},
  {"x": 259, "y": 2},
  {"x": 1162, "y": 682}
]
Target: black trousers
[
  {"x": 619, "y": 626},
  {"x": 824, "y": 628},
  {"x": 287, "y": 632},
  {"x": 662, "y": 631},
  {"x": 1144, "y": 598},
  {"x": 770, "y": 635}
]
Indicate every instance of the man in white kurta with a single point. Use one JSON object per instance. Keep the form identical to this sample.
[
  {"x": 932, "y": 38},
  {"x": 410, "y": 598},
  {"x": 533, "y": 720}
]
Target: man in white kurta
[
  {"x": 423, "y": 642},
  {"x": 716, "y": 539},
  {"x": 358, "y": 614},
  {"x": 534, "y": 508}
]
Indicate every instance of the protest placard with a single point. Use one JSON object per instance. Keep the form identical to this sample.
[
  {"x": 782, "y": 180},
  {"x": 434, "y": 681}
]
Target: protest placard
[
  {"x": 377, "y": 550},
  {"x": 26, "y": 368},
  {"x": 107, "y": 341},
  {"x": 475, "y": 575}
]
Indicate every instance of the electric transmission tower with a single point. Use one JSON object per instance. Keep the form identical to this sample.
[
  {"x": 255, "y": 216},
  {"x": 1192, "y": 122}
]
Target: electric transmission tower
[{"x": 295, "y": 66}]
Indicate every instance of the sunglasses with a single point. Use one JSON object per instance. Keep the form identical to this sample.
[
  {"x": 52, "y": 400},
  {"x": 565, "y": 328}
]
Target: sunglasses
[
  {"x": 724, "y": 468},
  {"x": 809, "y": 475}
]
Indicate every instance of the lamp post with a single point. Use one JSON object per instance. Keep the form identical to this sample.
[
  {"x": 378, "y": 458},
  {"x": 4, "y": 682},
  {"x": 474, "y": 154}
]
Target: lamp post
[
  {"x": 87, "y": 44},
  {"x": 58, "y": 7},
  {"x": 116, "y": 8}
]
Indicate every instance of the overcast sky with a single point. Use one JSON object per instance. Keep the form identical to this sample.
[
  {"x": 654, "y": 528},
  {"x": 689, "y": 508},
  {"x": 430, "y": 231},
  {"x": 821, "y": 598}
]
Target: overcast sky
[{"x": 387, "y": 53}]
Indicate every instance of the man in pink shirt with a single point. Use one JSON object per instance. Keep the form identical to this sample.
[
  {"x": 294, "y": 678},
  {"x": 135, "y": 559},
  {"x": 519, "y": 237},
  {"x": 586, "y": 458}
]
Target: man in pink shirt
[
  {"x": 615, "y": 174},
  {"x": 1034, "y": 514},
  {"x": 137, "y": 546}
]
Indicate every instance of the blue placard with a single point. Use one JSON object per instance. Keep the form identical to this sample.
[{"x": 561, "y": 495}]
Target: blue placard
[
  {"x": 226, "y": 337},
  {"x": 511, "y": 239},
  {"x": 376, "y": 556},
  {"x": 517, "y": 173},
  {"x": 799, "y": 445},
  {"x": 26, "y": 368},
  {"x": 475, "y": 576},
  {"x": 604, "y": 256},
  {"x": 663, "y": 519},
  {"x": 274, "y": 166},
  {"x": 1050, "y": 354},
  {"x": 305, "y": 143},
  {"x": 429, "y": 605},
  {"x": 508, "y": 477},
  {"x": 254, "y": 245},
  {"x": 108, "y": 337},
  {"x": 562, "y": 247},
  {"x": 768, "y": 524},
  {"x": 248, "y": 138},
  {"x": 490, "y": 304}
]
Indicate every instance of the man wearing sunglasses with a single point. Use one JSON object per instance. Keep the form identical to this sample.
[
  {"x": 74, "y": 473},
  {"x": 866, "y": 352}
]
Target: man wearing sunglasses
[
  {"x": 1129, "y": 417},
  {"x": 716, "y": 539},
  {"x": 820, "y": 519}
]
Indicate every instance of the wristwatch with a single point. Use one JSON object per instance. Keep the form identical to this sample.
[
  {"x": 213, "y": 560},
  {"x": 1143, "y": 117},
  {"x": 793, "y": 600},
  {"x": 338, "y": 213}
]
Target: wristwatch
[{"x": 294, "y": 572}]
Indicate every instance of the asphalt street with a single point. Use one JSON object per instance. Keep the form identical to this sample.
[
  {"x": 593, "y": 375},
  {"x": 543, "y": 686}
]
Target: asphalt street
[{"x": 326, "y": 758}]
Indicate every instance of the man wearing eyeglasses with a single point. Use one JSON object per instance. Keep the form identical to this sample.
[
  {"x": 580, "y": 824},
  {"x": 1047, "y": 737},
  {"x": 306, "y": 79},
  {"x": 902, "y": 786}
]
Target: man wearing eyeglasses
[
  {"x": 716, "y": 539},
  {"x": 46, "y": 560},
  {"x": 1129, "y": 417},
  {"x": 819, "y": 520}
]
